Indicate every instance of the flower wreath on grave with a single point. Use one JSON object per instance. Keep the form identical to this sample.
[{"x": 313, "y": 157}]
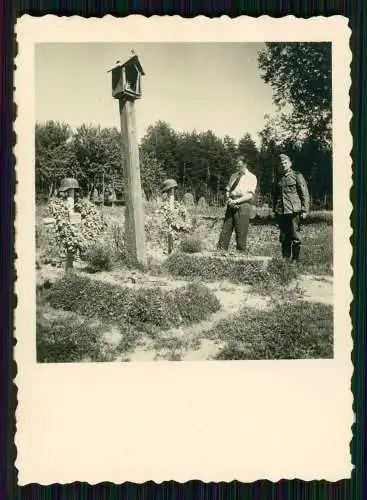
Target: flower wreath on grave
[
  {"x": 176, "y": 218},
  {"x": 76, "y": 238}
]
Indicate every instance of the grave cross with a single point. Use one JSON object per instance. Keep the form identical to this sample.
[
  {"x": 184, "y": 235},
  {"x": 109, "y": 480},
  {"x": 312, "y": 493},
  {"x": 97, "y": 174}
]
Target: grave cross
[
  {"x": 169, "y": 187},
  {"x": 68, "y": 186}
]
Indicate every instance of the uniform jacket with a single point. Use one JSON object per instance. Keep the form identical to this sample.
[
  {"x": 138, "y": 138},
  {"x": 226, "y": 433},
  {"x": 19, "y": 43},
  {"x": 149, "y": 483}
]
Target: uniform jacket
[{"x": 291, "y": 194}]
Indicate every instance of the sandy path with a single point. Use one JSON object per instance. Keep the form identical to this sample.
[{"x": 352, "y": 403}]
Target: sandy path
[{"x": 317, "y": 288}]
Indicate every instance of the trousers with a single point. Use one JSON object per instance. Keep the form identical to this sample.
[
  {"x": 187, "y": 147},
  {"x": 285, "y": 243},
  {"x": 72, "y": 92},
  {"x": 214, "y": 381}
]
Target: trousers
[
  {"x": 289, "y": 237},
  {"x": 238, "y": 219}
]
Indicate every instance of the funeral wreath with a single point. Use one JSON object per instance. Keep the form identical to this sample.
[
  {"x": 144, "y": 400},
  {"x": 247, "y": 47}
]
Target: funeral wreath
[{"x": 76, "y": 238}]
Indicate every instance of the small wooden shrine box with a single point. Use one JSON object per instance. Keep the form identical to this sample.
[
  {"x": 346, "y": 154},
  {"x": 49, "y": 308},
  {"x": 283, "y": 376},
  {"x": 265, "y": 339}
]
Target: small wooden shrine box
[{"x": 126, "y": 79}]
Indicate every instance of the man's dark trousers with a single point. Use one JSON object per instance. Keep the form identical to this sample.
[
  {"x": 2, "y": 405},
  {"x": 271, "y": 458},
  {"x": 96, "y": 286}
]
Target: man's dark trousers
[
  {"x": 237, "y": 218},
  {"x": 289, "y": 235}
]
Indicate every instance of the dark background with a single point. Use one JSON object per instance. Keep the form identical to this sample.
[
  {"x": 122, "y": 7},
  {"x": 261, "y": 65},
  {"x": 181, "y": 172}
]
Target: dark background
[{"x": 295, "y": 489}]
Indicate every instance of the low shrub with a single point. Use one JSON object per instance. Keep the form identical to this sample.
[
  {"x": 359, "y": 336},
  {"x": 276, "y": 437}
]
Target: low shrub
[
  {"x": 99, "y": 258},
  {"x": 320, "y": 216},
  {"x": 289, "y": 331},
  {"x": 141, "y": 307},
  {"x": 195, "y": 302},
  {"x": 237, "y": 270},
  {"x": 191, "y": 244},
  {"x": 170, "y": 348},
  {"x": 152, "y": 306},
  {"x": 67, "y": 341},
  {"x": 130, "y": 338},
  {"x": 48, "y": 250},
  {"x": 313, "y": 217}
]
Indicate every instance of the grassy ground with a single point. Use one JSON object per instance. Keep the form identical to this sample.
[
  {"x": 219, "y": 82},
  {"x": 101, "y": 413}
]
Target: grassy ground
[
  {"x": 292, "y": 330},
  {"x": 239, "y": 310}
]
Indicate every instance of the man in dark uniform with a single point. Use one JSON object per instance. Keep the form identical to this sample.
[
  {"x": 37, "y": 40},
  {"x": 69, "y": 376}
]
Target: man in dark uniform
[{"x": 291, "y": 202}]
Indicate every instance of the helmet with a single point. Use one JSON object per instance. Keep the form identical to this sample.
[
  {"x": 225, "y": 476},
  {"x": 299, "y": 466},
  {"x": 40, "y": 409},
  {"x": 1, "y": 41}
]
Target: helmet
[
  {"x": 169, "y": 184},
  {"x": 68, "y": 183}
]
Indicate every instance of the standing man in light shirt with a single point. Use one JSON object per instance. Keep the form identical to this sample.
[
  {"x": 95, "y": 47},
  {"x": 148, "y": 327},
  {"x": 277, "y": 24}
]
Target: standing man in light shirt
[{"x": 240, "y": 192}]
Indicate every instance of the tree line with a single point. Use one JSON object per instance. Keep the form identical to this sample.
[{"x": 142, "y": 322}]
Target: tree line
[{"x": 201, "y": 162}]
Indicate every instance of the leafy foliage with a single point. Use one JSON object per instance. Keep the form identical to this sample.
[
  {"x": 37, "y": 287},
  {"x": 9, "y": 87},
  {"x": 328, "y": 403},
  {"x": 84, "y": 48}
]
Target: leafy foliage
[
  {"x": 288, "y": 331},
  {"x": 152, "y": 174},
  {"x": 99, "y": 257},
  {"x": 196, "y": 266},
  {"x": 200, "y": 162},
  {"x": 98, "y": 152},
  {"x": 196, "y": 302},
  {"x": 175, "y": 217},
  {"x": 300, "y": 76},
  {"x": 119, "y": 241},
  {"x": 54, "y": 158},
  {"x": 91, "y": 155},
  {"x": 144, "y": 307},
  {"x": 160, "y": 141},
  {"x": 76, "y": 239},
  {"x": 67, "y": 340},
  {"x": 248, "y": 150},
  {"x": 191, "y": 244},
  {"x": 165, "y": 219}
]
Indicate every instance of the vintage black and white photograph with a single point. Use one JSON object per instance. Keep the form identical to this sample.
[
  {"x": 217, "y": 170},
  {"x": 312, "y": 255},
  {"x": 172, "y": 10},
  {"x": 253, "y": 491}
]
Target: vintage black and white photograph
[
  {"x": 183, "y": 249},
  {"x": 184, "y": 201}
]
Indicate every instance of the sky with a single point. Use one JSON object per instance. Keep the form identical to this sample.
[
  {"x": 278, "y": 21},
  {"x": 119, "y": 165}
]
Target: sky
[{"x": 206, "y": 86}]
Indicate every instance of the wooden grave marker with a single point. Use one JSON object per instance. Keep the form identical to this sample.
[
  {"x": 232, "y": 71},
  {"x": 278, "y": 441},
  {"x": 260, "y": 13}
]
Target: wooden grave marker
[{"x": 126, "y": 87}]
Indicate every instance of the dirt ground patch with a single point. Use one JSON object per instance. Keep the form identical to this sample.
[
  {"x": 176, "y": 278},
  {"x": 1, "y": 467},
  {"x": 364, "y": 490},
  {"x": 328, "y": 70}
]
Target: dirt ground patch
[{"x": 317, "y": 288}]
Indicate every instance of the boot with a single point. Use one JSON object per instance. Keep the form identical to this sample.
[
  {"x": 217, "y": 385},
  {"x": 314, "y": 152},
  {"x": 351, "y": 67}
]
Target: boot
[
  {"x": 286, "y": 250},
  {"x": 296, "y": 248}
]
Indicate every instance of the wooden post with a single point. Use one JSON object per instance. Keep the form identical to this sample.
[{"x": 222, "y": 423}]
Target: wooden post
[
  {"x": 70, "y": 200},
  {"x": 69, "y": 261},
  {"x": 103, "y": 188},
  {"x": 134, "y": 211},
  {"x": 171, "y": 201},
  {"x": 126, "y": 87}
]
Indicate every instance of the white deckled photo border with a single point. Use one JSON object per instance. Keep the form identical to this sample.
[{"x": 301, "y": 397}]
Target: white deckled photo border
[{"x": 212, "y": 421}]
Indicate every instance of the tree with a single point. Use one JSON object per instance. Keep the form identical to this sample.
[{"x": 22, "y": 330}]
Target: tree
[
  {"x": 228, "y": 163},
  {"x": 300, "y": 76},
  {"x": 248, "y": 150},
  {"x": 188, "y": 154},
  {"x": 230, "y": 149},
  {"x": 53, "y": 157},
  {"x": 200, "y": 162},
  {"x": 209, "y": 164},
  {"x": 152, "y": 174},
  {"x": 98, "y": 153},
  {"x": 111, "y": 165},
  {"x": 308, "y": 158},
  {"x": 269, "y": 153},
  {"x": 161, "y": 141}
]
